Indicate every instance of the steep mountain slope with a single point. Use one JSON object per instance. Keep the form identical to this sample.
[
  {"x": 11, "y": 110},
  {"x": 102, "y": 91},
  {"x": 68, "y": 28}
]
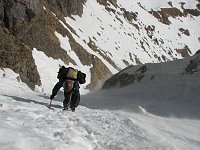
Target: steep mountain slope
[
  {"x": 104, "y": 36},
  {"x": 166, "y": 89}
]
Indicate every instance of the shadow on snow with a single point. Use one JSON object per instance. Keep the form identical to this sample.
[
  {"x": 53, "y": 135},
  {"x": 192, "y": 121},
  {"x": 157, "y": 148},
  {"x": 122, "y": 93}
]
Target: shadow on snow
[{"x": 20, "y": 99}]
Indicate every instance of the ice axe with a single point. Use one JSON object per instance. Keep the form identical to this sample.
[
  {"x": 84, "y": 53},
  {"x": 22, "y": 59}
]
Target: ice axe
[{"x": 50, "y": 103}]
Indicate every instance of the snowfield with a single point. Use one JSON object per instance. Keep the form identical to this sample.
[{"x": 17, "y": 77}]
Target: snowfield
[
  {"x": 163, "y": 89},
  {"x": 27, "y": 123}
]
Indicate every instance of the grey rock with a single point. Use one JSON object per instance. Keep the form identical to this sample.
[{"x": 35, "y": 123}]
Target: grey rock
[
  {"x": 16, "y": 12},
  {"x": 114, "y": 3},
  {"x": 67, "y": 7},
  {"x": 34, "y": 5},
  {"x": 130, "y": 15},
  {"x": 1, "y": 11},
  {"x": 75, "y": 7}
]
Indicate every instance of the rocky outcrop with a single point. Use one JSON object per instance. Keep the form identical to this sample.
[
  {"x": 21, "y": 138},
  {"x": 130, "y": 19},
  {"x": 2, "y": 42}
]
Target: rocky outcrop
[
  {"x": 114, "y": 3},
  {"x": 150, "y": 29},
  {"x": 16, "y": 13},
  {"x": 66, "y": 7},
  {"x": 193, "y": 12},
  {"x": 102, "y": 2},
  {"x": 197, "y": 52},
  {"x": 165, "y": 13},
  {"x": 105, "y": 3},
  {"x": 183, "y": 52},
  {"x": 122, "y": 78},
  {"x": 48, "y": 42},
  {"x": 193, "y": 65},
  {"x": 184, "y": 31},
  {"x": 19, "y": 12},
  {"x": 99, "y": 73},
  {"x": 130, "y": 15},
  {"x": 17, "y": 56},
  {"x": 198, "y": 6},
  {"x": 1, "y": 11},
  {"x": 75, "y": 7}
]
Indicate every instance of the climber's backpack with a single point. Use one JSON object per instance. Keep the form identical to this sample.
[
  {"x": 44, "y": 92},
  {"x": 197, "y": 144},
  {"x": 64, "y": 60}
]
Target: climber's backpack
[
  {"x": 71, "y": 73},
  {"x": 62, "y": 73},
  {"x": 67, "y": 73},
  {"x": 81, "y": 77}
]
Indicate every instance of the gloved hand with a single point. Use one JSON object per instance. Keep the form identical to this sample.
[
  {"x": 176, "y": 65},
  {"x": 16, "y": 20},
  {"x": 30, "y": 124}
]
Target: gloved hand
[{"x": 52, "y": 96}]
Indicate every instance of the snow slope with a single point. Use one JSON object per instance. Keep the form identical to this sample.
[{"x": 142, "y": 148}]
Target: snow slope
[
  {"x": 120, "y": 39},
  {"x": 27, "y": 123},
  {"x": 164, "y": 89}
]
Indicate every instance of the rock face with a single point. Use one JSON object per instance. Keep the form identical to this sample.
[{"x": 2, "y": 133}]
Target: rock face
[
  {"x": 18, "y": 57},
  {"x": 113, "y": 2},
  {"x": 185, "y": 52},
  {"x": 164, "y": 14},
  {"x": 23, "y": 21},
  {"x": 124, "y": 79},
  {"x": 102, "y": 2},
  {"x": 14, "y": 16},
  {"x": 66, "y": 7},
  {"x": 17, "y": 12},
  {"x": 1, "y": 11},
  {"x": 105, "y": 2},
  {"x": 19, "y": 20},
  {"x": 193, "y": 65}
]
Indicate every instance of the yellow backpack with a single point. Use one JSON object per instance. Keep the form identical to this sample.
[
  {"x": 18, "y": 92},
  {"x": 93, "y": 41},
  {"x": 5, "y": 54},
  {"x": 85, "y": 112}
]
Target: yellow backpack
[{"x": 72, "y": 73}]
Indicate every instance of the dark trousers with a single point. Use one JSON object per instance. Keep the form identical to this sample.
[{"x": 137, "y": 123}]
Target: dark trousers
[{"x": 72, "y": 99}]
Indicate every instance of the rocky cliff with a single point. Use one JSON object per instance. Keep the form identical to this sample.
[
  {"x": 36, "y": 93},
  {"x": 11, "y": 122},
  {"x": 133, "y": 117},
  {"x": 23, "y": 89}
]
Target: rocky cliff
[{"x": 23, "y": 21}]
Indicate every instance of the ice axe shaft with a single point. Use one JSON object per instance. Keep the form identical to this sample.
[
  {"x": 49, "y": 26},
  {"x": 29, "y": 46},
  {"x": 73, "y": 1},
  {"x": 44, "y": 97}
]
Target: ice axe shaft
[{"x": 50, "y": 103}]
